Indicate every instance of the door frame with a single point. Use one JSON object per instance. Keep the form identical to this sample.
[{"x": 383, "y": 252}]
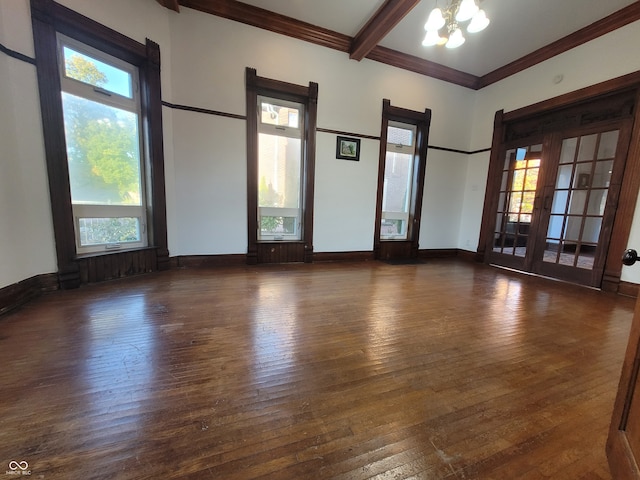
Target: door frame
[{"x": 617, "y": 98}]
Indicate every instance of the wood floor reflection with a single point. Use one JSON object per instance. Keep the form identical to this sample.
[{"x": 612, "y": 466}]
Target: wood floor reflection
[{"x": 437, "y": 370}]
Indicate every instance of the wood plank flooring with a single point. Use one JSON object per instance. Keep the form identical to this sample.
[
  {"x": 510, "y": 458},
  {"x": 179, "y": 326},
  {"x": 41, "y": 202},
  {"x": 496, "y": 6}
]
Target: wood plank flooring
[{"x": 440, "y": 370}]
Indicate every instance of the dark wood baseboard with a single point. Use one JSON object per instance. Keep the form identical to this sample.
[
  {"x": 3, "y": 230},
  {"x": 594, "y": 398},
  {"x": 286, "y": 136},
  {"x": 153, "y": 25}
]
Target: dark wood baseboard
[
  {"x": 628, "y": 289},
  {"x": 343, "y": 256},
  {"x": 18, "y": 294},
  {"x": 194, "y": 261}
]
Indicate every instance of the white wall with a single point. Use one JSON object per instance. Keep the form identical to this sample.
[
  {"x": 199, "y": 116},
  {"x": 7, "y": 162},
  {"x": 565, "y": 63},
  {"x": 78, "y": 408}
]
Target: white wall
[
  {"x": 26, "y": 229},
  {"x": 349, "y": 99}
]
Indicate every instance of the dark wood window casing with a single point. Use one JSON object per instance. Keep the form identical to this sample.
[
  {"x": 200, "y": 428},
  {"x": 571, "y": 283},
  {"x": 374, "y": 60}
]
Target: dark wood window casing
[
  {"x": 605, "y": 103},
  {"x": 395, "y": 249},
  {"x": 48, "y": 19},
  {"x": 280, "y": 251}
]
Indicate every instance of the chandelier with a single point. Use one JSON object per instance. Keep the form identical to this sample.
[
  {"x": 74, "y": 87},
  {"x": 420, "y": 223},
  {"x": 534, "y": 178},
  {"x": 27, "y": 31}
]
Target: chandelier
[{"x": 443, "y": 25}]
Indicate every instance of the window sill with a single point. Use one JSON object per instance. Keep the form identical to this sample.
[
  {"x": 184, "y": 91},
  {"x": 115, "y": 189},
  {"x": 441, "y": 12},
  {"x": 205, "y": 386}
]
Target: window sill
[{"x": 112, "y": 252}]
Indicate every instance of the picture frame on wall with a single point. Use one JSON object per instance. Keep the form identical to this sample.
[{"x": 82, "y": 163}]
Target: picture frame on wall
[{"x": 348, "y": 148}]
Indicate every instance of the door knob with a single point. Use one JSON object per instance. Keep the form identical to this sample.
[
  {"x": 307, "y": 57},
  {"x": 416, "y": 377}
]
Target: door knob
[{"x": 630, "y": 257}]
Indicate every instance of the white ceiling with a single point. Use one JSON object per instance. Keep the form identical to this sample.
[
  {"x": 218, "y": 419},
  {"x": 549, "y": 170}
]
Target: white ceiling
[{"x": 518, "y": 27}]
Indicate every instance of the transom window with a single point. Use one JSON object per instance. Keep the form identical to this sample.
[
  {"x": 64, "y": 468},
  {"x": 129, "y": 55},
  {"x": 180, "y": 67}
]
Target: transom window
[{"x": 101, "y": 108}]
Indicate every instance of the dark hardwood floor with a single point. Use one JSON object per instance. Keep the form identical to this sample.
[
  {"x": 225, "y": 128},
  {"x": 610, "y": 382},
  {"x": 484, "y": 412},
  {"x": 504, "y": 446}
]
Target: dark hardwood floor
[{"x": 362, "y": 370}]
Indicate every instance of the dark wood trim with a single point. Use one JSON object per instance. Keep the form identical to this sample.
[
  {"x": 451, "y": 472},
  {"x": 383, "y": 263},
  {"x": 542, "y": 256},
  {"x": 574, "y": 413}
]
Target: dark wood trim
[
  {"x": 381, "y": 23},
  {"x": 629, "y": 289},
  {"x": 626, "y": 206},
  {"x": 616, "y": 20},
  {"x": 45, "y": 46},
  {"x": 423, "y": 67},
  {"x": 311, "y": 113},
  {"x": 347, "y": 134},
  {"x": 152, "y": 112},
  {"x": 430, "y": 253},
  {"x": 170, "y": 4},
  {"x": 206, "y": 261},
  {"x": 21, "y": 293},
  {"x": 206, "y": 111},
  {"x": 274, "y": 22},
  {"x": 493, "y": 182},
  {"x": 48, "y": 18},
  {"x": 252, "y": 166},
  {"x": 17, "y": 55},
  {"x": 619, "y": 84},
  {"x": 362, "y": 256}
]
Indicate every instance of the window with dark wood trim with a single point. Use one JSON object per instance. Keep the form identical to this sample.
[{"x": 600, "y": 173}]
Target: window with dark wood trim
[
  {"x": 292, "y": 239},
  {"x": 50, "y": 19},
  {"x": 412, "y": 131}
]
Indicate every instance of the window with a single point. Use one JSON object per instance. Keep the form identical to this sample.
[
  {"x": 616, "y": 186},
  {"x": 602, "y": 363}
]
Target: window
[
  {"x": 101, "y": 108},
  {"x": 281, "y": 136},
  {"x": 107, "y": 87},
  {"x": 398, "y": 178},
  {"x": 280, "y": 140},
  {"x": 404, "y": 136}
]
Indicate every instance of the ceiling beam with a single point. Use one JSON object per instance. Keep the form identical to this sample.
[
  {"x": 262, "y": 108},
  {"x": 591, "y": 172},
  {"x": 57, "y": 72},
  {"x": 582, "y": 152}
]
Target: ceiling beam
[
  {"x": 170, "y": 4},
  {"x": 381, "y": 23}
]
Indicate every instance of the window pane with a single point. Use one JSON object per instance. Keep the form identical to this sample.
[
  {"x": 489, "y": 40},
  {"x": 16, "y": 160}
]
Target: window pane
[
  {"x": 279, "y": 169},
  {"x": 568, "y": 152},
  {"x": 278, "y": 225},
  {"x": 397, "y": 182},
  {"x": 103, "y": 152},
  {"x": 97, "y": 231},
  {"x": 399, "y": 136},
  {"x": 608, "y": 144},
  {"x": 94, "y": 72},
  {"x": 393, "y": 228},
  {"x": 279, "y": 115},
  {"x": 587, "y": 147}
]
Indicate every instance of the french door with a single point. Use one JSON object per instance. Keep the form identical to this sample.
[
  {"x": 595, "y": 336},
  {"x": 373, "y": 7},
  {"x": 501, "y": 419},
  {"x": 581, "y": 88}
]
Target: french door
[{"x": 557, "y": 202}]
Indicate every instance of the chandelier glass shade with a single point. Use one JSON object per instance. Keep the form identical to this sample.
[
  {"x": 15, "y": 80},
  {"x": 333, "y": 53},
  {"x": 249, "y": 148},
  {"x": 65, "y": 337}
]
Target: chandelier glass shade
[{"x": 443, "y": 25}]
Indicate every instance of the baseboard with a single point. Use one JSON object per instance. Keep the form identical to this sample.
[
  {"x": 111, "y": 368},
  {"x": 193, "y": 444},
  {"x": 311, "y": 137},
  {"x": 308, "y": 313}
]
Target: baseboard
[
  {"x": 16, "y": 295},
  {"x": 362, "y": 256},
  {"x": 195, "y": 261},
  {"x": 628, "y": 289}
]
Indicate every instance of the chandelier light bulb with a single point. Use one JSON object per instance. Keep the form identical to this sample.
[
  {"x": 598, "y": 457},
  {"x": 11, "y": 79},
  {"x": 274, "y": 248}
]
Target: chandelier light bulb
[
  {"x": 478, "y": 23},
  {"x": 431, "y": 38},
  {"x": 467, "y": 10},
  {"x": 435, "y": 21},
  {"x": 455, "y": 39}
]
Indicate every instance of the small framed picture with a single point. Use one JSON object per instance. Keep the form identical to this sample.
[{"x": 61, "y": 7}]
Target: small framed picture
[{"x": 348, "y": 148}]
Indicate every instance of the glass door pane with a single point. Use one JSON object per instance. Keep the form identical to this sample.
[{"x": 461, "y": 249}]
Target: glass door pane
[
  {"x": 516, "y": 200},
  {"x": 578, "y": 204}
]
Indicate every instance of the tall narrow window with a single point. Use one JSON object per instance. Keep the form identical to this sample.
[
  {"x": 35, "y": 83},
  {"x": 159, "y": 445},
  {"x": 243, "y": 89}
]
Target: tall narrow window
[
  {"x": 281, "y": 133},
  {"x": 101, "y": 108},
  {"x": 398, "y": 176},
  {"x": 280, "y": 127},
  {"x": 403, "y": 157},
  {"x": 101, "y": 104}
]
